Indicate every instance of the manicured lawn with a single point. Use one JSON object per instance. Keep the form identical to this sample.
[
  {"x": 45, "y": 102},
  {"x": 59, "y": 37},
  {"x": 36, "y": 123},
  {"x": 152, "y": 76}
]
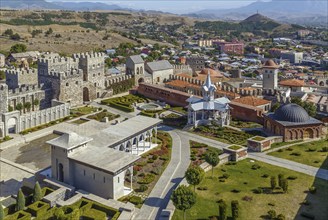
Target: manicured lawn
[
  {"x": 84, "y": 110},
  {"x": 276, "y": 145},
  {"x": 308, "y": 153},
  {"x": 244, "y": 178}
]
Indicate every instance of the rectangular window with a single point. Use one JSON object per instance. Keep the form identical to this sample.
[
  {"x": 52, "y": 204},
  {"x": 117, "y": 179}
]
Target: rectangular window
[
  {"x": 94, "y": 176},
  {"x": 118, "y": 179},
  {"x": 84, "y": 172},
  {"x": 104, "y": 179}
]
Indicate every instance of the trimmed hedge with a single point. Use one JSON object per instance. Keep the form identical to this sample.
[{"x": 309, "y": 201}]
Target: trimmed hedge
[
  {"x": 38, "y": 208},
  {"x": 21, "y": 215},
  {"x": 120, "y": 107}
]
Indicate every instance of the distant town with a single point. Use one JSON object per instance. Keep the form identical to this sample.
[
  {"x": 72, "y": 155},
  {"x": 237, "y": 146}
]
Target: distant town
[{"x": 130, "y": 115}]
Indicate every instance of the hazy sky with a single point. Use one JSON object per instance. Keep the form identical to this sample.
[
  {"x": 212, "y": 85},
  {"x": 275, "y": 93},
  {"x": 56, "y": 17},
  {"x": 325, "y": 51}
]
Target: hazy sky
[{"x": 174, "y": 6}]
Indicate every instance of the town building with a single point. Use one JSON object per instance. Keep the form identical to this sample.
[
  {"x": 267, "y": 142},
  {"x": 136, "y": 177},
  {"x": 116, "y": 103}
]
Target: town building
[
  {"x": 207, "y": 110},
  {"x": 100, "y": 163},
  {"x": 295, "y": 85},
  {"x": 30, "y": 56},
  {"x": 292, "y": 122},
  {"x": 232, "y": 48},
  {"x": 292, "y": 56},
  {"x": 270, "y": 75},
  {"x": 196, "y": 62}
]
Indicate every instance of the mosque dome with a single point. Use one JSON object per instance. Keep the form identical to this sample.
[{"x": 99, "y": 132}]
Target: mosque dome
[{"x": 291, "y": 113}]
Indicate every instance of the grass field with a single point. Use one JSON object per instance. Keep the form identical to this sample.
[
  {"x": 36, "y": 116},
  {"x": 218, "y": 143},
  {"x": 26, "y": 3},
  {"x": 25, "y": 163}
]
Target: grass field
[
  {"x": 244, "y": 178},
  {"x": 308, "y": 153}
]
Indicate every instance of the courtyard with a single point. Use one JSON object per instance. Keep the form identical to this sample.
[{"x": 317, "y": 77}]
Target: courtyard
[{"x": 239, "y": 181}]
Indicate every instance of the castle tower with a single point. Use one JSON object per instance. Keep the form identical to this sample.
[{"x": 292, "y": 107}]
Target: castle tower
[
  {"x": 3, "y": 98},
  {"x": 270, "y": 75},
  {"x": 135, "y": 66},
  {"x": 208, "y": 89}
]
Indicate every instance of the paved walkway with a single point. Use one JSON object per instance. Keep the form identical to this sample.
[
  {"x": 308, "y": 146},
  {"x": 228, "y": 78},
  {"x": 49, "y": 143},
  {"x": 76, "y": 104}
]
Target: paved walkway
[
  {"x": 170, "y": 179},
  {"x": 291, "y": 165}
]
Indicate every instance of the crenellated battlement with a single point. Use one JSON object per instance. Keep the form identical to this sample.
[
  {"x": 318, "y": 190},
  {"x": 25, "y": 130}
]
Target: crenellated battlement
[
  {"x": 57, "y": 60},
  {"x": 88, "y": 55},
  {"x": 73, "y": 73},
  {"x": 25, "y": 89},
  {"x": 21, "y": 71}
]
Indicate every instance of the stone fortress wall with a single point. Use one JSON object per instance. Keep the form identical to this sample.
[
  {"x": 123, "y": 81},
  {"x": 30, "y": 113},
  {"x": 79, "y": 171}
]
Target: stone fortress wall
[{"x": 18, "y": 77}]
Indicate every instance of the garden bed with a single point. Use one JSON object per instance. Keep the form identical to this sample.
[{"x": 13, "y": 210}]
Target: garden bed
[
  {"x": 244, "y": 124},
  {"x": 225, "y": 135},
  {"x": 198, "y": 151},
  {"x": 124, "y": 103},
  {"x": 101, "y": 115}
]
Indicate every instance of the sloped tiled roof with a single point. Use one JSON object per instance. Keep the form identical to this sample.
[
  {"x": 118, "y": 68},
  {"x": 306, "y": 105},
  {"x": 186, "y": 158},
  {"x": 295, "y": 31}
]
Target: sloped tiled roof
[
  {"x": 292, "y": 82},
  {"x": 251, "y": 100},
  {"x": 159, "y": 65},
  {"x": 136, "y": 59}
]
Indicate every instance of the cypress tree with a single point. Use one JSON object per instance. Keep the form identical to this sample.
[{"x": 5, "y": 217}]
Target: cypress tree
[
  {"x": 235, "y": 209},
  {"x": 222, "y": 210},
  {"x": 280, "y": 178},
  {"x": 37, "y": 195},
  {"x": 273, "y": 182},
  {"x": 20, "y": 200}
]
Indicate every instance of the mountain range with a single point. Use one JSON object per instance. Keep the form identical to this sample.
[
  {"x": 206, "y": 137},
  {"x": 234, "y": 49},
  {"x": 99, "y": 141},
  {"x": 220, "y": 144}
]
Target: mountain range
[{"x": 304, "y": 12}]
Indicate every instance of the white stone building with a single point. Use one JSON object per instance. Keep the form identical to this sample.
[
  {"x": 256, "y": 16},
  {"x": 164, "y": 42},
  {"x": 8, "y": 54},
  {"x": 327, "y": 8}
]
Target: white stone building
[
  {"x": 100, "y": 162},
  {"x": 207, "y": 110}
]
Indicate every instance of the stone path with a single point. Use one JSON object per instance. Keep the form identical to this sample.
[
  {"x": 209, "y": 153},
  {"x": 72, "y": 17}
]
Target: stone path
[
  {"x": 170, "y": 179},
  {"x": 291, "y": 165}
]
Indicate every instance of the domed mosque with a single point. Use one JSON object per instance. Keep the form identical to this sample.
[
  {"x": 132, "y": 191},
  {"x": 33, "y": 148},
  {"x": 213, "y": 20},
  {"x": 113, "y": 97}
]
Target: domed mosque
[{"x": 292, "y": 122}]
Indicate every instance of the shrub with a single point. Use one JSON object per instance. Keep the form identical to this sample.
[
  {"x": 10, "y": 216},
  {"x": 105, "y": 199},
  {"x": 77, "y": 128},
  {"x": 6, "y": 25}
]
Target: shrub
[
  {"x": 256, "y": 166},
  {"x": 20, "y": 200},
  {"x": 235, "y": 209},
  {"x": 280, "y": 217},
  {"x": 296, "y": 154},
  {"x": 37, "y": 195},
  {"x": 289, "y": 149},
  {"x": 202, "y": 188},
  {"x": 280, "y": 150},
  {"x": 247, "y": 198},
  {"x": 273, "y": 182},
  {"x": 150, "y": 161},
  {"x": 265, "y": 175},
  {"x": 225, "y": 176},
  {"x": 306, "y": 202},
  {"x": 155, "y": 157},
  {"x": 222, "y": 180},
  {"x": 258, "y": 190},
  {"x": 271, "y": 204},
  {"x": 324, "y": 149},
  {"x": 235, "y": 191},
  {"x": 292, "y": 177},
  {"x": 312, "y": 189},
  {"x": 148, "y": 178},
  {"x": 223, "y": 210},
  {"x": 157, "y": 170},
  {"x": 272, "y": 214},
  {"x": 136, "y": 200},
  {"x": 143, "y": 188},
  {"x": 311, "y": 150}
]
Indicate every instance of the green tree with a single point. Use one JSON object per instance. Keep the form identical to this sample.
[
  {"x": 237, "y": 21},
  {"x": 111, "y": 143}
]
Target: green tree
[
  {"x": 280, "y": 179},
  {"x": 10, "y": 108},
  {"x": 272, "y": 214},
  {"x": 281, "y": 217},
  {"x": 108, "y": 62},
  {"x": 275, "y": 107},
  {"x": 194, "y": 175},
  {"x": 183, "y": 198},
  {"x": 19, "y": 107},
  {"x": 212, "y": 158},
  {"x": 273, "y": 182},
  {"x": 8, "y": 32},
  {"x": 36, "y": 102},
  {"x": 284, "y": 185},
  {"x": 27, "y": 106},
  {"x": 20, "y": 200},
  {"x": 2, "y": 212},
  {"x": 222, "y": 210},
  {"x": 18, "y": 48},
  {"x": 37, "y": 194},
  {"x": 235, "y": 209},
  {"x": 15, "y": 37}
]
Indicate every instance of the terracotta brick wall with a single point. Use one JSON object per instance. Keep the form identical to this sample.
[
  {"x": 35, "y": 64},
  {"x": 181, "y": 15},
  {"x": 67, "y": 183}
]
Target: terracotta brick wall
[{"x": 246, "y": 112}]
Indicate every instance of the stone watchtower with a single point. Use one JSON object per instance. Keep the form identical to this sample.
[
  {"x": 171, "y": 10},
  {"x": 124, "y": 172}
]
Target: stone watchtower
[
  {"x": 270, "y": 75},
  {"x": 135, "y": 66},
  {"x": 93, "y": 67},
  {"x": 3, "y": 98}
]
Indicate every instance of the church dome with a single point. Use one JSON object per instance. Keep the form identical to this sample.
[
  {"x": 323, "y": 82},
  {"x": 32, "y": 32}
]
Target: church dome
[
  {"x": 270, "y": 64},
  {"x": 291, "y": 113},
  {"x": 213, "y": 72}
]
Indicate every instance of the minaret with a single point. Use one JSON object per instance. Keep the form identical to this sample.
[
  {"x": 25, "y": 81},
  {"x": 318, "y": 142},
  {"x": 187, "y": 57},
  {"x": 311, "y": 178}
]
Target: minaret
[{"x": 208, "y": 89}]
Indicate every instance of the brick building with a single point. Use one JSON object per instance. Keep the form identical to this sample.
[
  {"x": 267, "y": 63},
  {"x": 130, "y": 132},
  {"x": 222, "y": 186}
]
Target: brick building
[
  {"x": 230, "y": 47},
  {"x": 292, "y": 122}
]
